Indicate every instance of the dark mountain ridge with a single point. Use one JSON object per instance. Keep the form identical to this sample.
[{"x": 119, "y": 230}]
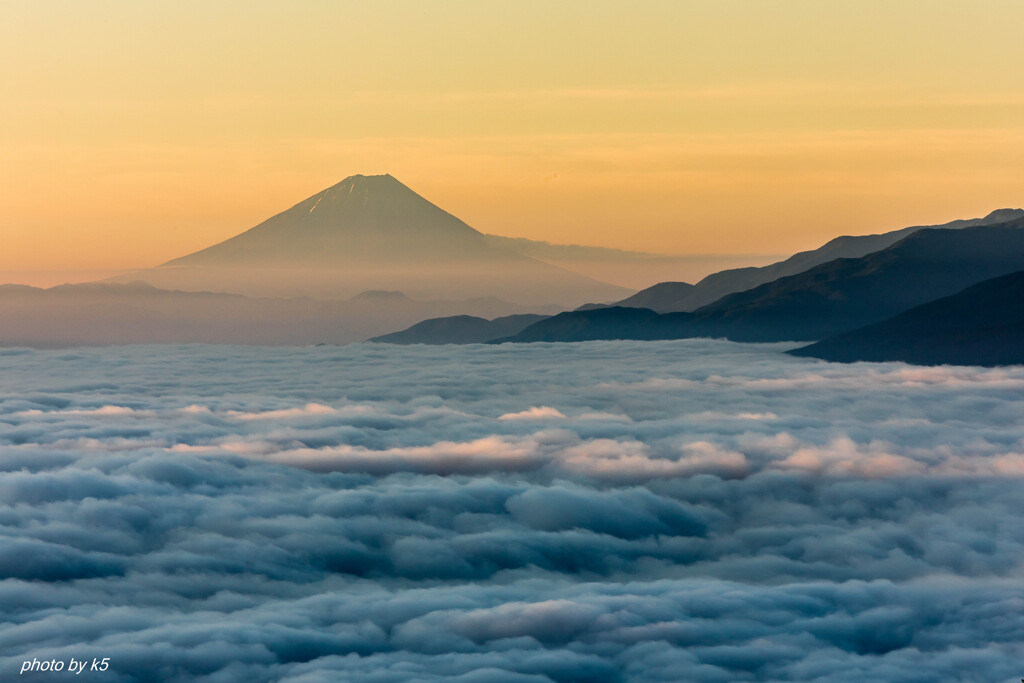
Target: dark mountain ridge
[
  {"x": 668, "y": 297},
  {"x": 460, "y": 329},
  {"x": 981, "y": 325},
  {"x": 828, "y": 299}
]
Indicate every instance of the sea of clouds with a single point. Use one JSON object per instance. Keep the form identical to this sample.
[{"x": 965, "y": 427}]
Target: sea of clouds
[{"x": 599, "y": 512}]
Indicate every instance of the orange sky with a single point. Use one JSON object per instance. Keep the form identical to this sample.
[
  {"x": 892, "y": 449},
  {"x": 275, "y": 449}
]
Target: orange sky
[{"x": 135, "y": 132}]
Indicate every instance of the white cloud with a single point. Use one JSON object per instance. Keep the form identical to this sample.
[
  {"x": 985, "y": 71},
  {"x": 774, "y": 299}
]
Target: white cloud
[
  {"x": 844, "y": 457},
  {"x": 310, "y": 409},
  {"x": 692, "y": 510},
  {"x": 444, "y": 457},
  {"x": 535, "y": 413}
]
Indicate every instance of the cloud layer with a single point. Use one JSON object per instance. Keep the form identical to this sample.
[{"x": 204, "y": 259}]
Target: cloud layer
[{"x": 594, "y": 512}]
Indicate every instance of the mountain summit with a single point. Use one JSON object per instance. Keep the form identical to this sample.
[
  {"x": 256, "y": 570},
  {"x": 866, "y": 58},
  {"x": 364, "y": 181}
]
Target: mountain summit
[
  {"x": 362, "y": 217},
  {"x": 372, "y": 233}
]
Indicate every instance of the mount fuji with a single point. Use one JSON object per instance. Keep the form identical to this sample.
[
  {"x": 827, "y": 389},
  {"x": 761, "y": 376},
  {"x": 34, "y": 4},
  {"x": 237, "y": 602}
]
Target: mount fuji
[{"x": 372, "y": 233}]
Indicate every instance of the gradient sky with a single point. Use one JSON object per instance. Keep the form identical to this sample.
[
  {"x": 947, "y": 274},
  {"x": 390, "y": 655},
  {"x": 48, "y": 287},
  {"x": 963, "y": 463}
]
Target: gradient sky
[{"x": 135, "y": 132}]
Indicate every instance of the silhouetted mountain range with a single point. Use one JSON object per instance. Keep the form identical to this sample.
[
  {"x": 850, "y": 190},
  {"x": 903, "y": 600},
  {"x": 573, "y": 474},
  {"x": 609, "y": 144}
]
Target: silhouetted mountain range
[
  {"x": 367, "y": 243},
  {"x": 655, "y": 297},
  {"x": 668, "y": 297},
  {"x": 371, "y": 233},
  {"x": 982, "y": 325},
  {"x": 460, "y": 329},
  {"x": 828, "y": 299},
  {"x": 613, "y": 322}
]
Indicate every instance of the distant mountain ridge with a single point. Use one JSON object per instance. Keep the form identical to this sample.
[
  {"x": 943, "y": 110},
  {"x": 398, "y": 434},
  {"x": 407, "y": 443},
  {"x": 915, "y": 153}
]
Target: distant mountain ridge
[
  {"x": 138, "y": 313},
  {"x": 669, "y": 297},
  {"x": 981, "y": 325},
  {"x": 371, "y": 233}
]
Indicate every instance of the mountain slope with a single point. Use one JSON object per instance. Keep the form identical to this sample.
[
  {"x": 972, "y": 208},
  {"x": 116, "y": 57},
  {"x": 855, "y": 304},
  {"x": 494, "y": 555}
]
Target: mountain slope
[
  {"x": 982, "y": 325},
  {"x": 834, "y": 297},
  {"x": 460, "y": 329},
  {"x": 371, "y": 232},
  {"x": 613, "y": 322},
  {"x": 667, "y": 297},
  {"x": 655, "y": 297},
  {"x": 362, "y": 217}
]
